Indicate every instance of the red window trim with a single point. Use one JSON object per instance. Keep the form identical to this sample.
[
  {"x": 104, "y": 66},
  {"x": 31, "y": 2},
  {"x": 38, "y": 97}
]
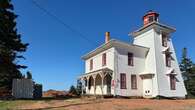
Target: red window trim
[
  {"x": 172, "y": 82},
  {"x": 130, "y": 59},
  {"x": 91, "y": 64},
  {"x": 104, "y": 59},
  {"x": 123, "y": 81},
  {"x": 133, "y": 81}
]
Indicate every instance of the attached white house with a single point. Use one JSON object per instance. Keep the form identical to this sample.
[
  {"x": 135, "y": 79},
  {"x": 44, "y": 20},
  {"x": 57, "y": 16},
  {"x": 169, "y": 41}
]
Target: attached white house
[{"x": 147, "y": 68}]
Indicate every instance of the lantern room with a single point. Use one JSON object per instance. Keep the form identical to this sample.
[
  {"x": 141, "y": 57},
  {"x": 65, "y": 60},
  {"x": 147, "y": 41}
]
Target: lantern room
[{"x": 149, "y": 17}]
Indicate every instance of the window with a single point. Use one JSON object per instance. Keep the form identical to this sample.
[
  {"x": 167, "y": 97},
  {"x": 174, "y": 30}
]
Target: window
[
  {"x": 91, "y": 64},
  {"x": 151, "y": 19},
  {"x": 130, "y": 59},
  {"x": 123, "y": 80},
  {"x": 104, "y": 59},
  {"x": 164, "y": 40},
  {"x": 133, "y": 82},
  {"x": 172, "y": 82},
  {"x": 168, "y": 59}
]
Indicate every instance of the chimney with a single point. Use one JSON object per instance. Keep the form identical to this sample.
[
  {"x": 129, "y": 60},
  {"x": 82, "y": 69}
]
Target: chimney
[{"x": 107, "y": 37}]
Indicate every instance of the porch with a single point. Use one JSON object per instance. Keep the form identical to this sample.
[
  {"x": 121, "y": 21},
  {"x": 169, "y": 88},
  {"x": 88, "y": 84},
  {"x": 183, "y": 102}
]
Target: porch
[{"x": 97, "y": 82}]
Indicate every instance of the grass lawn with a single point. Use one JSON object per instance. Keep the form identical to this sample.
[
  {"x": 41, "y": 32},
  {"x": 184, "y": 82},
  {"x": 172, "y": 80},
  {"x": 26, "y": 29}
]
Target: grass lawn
[{"x": 12, "y": 105}]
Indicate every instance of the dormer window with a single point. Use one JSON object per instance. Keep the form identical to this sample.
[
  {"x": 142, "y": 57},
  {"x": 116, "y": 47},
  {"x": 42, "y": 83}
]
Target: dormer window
[
  {"x": 164, "y": 40},
  {"x": 91, "y": 64},
  {"x": 104, "y": 59}
]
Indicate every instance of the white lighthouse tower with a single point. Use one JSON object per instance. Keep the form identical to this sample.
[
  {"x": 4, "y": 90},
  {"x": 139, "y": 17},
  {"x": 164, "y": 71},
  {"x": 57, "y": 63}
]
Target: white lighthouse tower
[{"x": 162, "y": 76}]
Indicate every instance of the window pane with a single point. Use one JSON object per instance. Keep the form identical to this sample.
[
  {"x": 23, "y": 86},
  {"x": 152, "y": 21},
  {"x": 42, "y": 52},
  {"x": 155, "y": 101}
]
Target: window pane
[
  {"x": 172, "y": 82},
  {"x": 168, "y": 60},
  {"x": 123, "y": 80},
  {"x": 91, "y": 64},
  {"x": 164, "y": 40},
  {"x": 151, "y": 19},
  {"x": 133, "y": 82},
  {"x": 104, "y": 59},
  {"x": 130, "y": 59}
]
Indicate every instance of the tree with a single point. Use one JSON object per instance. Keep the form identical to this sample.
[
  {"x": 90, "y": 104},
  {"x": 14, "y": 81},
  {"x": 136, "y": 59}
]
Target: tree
[
  {"x": 73, "y": 90},
  {"x": 29, "y": 75},
  {"x": 11, "y": 46},
  {"x": 191, "y": 82},
  {"x": 185, "y": 65},
  {"x": 188, "y": 72},
  {"x": 79, "y": 87}
]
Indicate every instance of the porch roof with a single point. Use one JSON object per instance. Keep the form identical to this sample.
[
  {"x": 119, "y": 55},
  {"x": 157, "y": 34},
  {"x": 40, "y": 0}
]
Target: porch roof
[
  {"x": 100, "y": 71},
  {"x": 146, "y": 73}
]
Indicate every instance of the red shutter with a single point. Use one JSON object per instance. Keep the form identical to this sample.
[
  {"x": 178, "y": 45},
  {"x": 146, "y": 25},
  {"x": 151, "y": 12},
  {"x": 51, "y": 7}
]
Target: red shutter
[
  {"x": 104, "y": 59},
  {"x": 123, "y": 80},
  {"x": 130, "y": 59}
]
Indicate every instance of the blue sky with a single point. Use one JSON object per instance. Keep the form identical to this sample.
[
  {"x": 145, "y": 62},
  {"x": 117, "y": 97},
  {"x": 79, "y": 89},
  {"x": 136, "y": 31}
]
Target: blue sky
[{"x": 54, "y": 54}]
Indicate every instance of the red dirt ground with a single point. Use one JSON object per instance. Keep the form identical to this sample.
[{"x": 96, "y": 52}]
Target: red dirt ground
[{"x": 113, "y": 104}]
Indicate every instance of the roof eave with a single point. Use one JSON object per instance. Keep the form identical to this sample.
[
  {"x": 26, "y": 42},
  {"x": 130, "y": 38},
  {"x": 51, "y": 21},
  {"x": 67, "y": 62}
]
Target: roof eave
[
  {"x": 101, "y": 47},
  {"x": 150, "y": 26},
  {"x": 108, "y": 45}
]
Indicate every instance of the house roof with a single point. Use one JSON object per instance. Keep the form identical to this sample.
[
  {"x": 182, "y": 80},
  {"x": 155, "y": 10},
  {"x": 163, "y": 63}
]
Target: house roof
[
  {"x": 112, "y": 43},
  {"x": 166, "y": 28}
]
